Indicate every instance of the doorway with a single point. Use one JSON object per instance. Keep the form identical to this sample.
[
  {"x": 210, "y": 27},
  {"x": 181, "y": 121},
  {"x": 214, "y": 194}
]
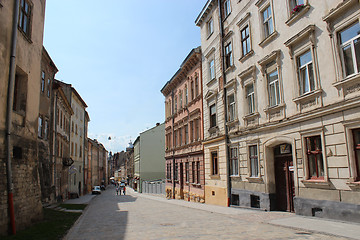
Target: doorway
[
  {"x": 181, "y": 180},
  {"x": 284, "y": 178}
]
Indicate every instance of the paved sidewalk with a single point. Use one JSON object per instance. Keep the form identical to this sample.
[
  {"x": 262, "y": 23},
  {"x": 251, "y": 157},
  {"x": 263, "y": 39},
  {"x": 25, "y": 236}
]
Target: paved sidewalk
[
  {"x": 289, "y": 220},
  {"x": 81, "y": 200}
]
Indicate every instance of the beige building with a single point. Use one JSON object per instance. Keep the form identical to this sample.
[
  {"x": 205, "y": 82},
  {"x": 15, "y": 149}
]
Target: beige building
[
  {"x": 21, "y": 42},
  {"x": 291, "y": 71}
]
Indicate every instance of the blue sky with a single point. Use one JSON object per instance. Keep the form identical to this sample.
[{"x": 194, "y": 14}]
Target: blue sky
[{"x": 118, "y": 55}]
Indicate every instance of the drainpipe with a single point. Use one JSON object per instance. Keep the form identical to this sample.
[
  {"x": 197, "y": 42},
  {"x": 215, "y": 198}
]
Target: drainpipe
[
  {"x": 227, "y": 142},
  {"x": 10, "y": 100},
  {"x": 54, "y": 155}
]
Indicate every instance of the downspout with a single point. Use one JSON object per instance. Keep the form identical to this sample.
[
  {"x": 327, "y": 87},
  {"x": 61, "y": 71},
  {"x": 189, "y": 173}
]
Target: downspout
[
  {"x": 227, "y": 142},
  {"x": 55, "y": 142},
  {"x": 83, "y": 156},
  {"x": 10, "y": 100}
]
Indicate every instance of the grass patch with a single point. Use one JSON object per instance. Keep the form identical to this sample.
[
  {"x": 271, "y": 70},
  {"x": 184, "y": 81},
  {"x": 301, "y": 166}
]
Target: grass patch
[
  {"x": 73, "y": 206},
  {"x": 54, "y": 226}
]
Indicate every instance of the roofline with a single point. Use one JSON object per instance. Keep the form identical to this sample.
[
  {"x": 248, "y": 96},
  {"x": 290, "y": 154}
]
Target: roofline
[
  {"x": 203, "y": 11},
  {"x": 194, "y": 50},
  {"x": 78, "y": 95},
  {"x": 51, "y": 61}
]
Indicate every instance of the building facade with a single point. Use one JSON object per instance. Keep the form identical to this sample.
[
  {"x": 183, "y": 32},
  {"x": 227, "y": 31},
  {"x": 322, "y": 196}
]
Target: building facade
[
  {"x": 215, "y": 151},
  {"x": 45, "y": 120},
  {"x": 293, "y": 101},
  {"x": 21, "y": 44},
  {"x": 184, "y": 132}
]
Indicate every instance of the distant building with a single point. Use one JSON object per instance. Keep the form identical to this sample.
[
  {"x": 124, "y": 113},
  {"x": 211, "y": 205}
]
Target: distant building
[
  {"x": 184, "y": 131},
  {"x": 96, "y": 165},
  {"x": 149, "y": 162}
]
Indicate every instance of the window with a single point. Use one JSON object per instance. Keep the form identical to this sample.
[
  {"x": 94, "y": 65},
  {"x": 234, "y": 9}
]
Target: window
[
  {"x": 234, "y": 161},
  {"x": 176, "y": 171},
  {"x": 192, "y": 90},
  {"x": 250, "y": 96},
  {"x": 213, "y": 115},
  {"x": 40, "y": 127},
  {"x": 267, "y": 21},
  {"x": 46, "y": 129},
  {"x": 48, "y": 88},
  {"x": 20, "y": 92},
  {"x": 197, "y": 129},
  {"x": 212, "y": 69},
  {"x": 350, "y": 49},
  {"x": 24, "y": 17},
  {"x": 193, "y": 172},
  {"x": 254, "y": 164},
  {"x": 245, "y": 40},
  {"x": 198, "y": 172},
  {"x": 181, "y": 99},
  {"x": 356, "y": 136},
  {"x": 186, "y": 95},
  {"x": 228, "y": 56},
  {"x": 231, "y": 108},
  {"x": 80, "y": 152},
  {"x": 186, "y": 134},
  {"x": 187, "y": 172},
  {"x": 175, "y": 104},
  {"x": 227, "y": 8},
  {"x": 175, "y": 138},
  {"x": 75, "y": 149},
  {"x": 295, "y": 3},
  {"x": 42, "y": 81},
  {"x": 180, "y": 136},
  {"x": 72, "y": 126},
  {"x": 214, "y": 163},
  {"x": 305, "y": 73},
  {"x": 210, "y": 27},
  {"x": 196, "y": 86},
  {"x": 76, "y": 130},
  {"x": 72, "y": 149},
  {"x": 314, "y": 157},
  {"x": 273, "y": 88},
  {"x": 191, "y": 131}
]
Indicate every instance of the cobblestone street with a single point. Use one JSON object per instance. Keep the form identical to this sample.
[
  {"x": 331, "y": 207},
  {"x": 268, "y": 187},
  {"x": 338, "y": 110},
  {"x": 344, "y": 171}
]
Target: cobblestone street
[{"x": 140, "y": 216}]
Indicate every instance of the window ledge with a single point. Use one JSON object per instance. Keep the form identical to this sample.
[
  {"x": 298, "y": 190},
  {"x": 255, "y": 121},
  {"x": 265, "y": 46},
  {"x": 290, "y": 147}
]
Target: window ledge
[
  {"x": 209, "y": 35},
  {"x": 312, "y": 183},
  {"x": 308, "y": 95},
  {"x": 295, "y": 16},
  {"x": 211, "y": 81},
  {"x": 215, "y": 177},
  {"x": 255, "y": 179},
  {"x": 251, "y": 115},
  {"x": 196, "y": 184},
  {"x": 268, "y": 39},
  {"x": 25, "y": 35},
  {"x": 213, "y": 129},
  {"x": 246, "y": 56},
  {"x": 274, "y": 108},
  {"x": 348, "y": 80},
  {"x": 233, "y": 122},
  {"x": 229, "y": 68}
]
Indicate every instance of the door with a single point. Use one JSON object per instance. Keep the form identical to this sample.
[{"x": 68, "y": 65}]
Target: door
[
  {"x": 181, "y": 180},
  {"x": 284, "y": 179}
]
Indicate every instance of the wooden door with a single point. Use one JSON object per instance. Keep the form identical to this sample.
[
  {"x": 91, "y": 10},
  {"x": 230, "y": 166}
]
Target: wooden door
[{"x": 284, "y": 178}]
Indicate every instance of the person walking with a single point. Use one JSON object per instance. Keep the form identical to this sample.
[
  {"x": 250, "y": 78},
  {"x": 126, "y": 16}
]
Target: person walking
[
  {"x": 124, "y": 189},
  {"x": 117, "y": 190}
]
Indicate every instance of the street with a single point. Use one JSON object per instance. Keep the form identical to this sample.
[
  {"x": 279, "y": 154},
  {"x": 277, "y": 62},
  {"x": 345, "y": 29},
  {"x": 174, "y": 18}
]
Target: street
[{"x": 141, "y": 216}]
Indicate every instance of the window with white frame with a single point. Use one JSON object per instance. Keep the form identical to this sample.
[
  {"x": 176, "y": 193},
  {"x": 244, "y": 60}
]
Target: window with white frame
[
  {"x": 40, "y": 126},
  {"x": 212, "y": 69},
  {"x": 42, "y": 81},
  {"x": 350, "y": 49},
  {"x": 250, "y": 96},
  {"x": 234, "y": 161},
  {"x": 254, "y": 161},
  {"x": 231, "y": 107},
  {"x": 245, "y": 40},
  {"x": 228, "y": 56},
  {"x": 210, "y": 26},
  {"x": 314, "y": 157},
  {"x": 267, "y": 21},
  {"x": 305, "y": 73},
  {"x": 227, "y": 8},
  {"x": 213, "y": 115},
  {"x": 273, "y": 88}
]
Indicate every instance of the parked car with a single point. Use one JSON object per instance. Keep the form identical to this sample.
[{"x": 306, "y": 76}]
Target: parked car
[{"x": 96, "y": 190}]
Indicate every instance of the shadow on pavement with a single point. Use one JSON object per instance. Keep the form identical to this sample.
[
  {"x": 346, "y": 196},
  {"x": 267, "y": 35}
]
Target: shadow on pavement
[{"x": 126, "y": 198}]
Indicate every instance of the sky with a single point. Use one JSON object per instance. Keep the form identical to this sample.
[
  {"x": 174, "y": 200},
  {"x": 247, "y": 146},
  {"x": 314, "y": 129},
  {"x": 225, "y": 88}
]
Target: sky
[{"x": 118, "y": 55}]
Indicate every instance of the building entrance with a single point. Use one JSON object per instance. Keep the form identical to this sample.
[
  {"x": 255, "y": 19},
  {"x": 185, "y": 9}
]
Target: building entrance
[
  {"x": 284, "y": 178},
  {"x": 181, "y": 181}
]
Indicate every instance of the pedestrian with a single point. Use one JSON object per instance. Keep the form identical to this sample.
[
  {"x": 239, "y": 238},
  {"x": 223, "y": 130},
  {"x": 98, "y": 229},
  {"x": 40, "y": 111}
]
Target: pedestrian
[
  {"x": 124, "y": 189},
  {"x": 117, "y": 190}
]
